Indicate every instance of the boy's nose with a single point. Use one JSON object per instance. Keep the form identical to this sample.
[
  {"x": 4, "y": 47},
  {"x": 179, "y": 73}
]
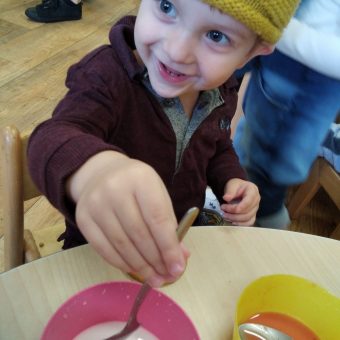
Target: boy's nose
[{"x": 180, "y": 48}]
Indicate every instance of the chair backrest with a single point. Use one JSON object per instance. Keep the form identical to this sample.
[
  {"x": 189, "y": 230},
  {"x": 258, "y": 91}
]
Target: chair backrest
[{"x": 16, "y": 187}]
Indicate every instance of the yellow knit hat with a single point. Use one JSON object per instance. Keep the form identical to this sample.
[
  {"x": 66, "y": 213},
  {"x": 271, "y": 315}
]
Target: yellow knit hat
[{"x": 267, "y": 18}]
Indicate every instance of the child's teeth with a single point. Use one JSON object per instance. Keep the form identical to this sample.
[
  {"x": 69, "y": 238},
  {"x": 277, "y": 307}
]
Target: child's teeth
[{"x": 173, "y": 73}]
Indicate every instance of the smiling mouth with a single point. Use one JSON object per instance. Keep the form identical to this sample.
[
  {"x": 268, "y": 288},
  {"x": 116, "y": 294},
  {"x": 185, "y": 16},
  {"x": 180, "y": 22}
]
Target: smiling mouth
[{"x": 171, "y": 72}]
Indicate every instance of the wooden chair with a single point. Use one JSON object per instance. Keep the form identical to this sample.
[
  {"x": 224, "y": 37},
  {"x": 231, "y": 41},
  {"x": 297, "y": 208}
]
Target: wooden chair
[
  {"x": 16, "y": 187},
  {"x": 322, "y": 175}
]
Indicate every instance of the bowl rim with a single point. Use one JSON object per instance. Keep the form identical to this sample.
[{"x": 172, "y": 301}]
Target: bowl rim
[{"x": 73, "y": 297}]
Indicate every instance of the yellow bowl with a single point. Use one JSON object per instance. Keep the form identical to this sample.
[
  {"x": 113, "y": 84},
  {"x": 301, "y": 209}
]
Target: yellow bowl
[{"x": 295, "y": 297}]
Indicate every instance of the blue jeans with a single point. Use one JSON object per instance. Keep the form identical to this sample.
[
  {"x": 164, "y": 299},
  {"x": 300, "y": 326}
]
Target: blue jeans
[{"x": 288, "y": 109}]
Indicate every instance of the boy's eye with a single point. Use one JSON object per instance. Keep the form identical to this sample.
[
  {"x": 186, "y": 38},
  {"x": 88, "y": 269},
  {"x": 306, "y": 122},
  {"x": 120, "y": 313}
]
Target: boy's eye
[
  {"x": 167, "y": 7},
  {"x": 218, "y": 37}
]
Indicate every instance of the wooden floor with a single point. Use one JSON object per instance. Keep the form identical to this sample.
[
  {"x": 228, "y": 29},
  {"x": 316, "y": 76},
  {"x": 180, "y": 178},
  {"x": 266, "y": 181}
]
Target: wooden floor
[{"x": 34, "y": 59}]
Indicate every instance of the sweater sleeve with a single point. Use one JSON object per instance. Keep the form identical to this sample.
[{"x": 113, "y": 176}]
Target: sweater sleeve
[
  {"x": 312, "y": 47},
  {"x": 224, "y": 165},
  {"x": 78, "y": 129}
]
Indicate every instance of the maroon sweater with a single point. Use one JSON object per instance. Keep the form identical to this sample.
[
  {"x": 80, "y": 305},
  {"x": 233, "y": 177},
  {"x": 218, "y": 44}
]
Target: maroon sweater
[{"x": 108, "y": 108}]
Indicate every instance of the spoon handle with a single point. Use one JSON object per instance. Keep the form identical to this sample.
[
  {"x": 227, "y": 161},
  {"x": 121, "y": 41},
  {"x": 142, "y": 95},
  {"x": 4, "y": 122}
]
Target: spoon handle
[
  {"x": 186, "y": 222},
  {"x": 132, "y": 323}
]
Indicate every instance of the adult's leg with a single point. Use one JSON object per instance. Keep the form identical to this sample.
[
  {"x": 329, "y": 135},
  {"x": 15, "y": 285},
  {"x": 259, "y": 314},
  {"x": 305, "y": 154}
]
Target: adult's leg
[
  {"x": 288, "y": 110},
  {"x": 253, "y": 156}
]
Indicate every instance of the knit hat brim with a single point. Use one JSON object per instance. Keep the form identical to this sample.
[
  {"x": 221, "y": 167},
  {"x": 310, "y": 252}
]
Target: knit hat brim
[{"x": 267, "y": 18}]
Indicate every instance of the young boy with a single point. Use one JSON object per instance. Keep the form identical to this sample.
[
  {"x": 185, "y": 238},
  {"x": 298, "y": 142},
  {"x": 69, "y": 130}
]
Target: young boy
[{"x": 145, "y": 127}]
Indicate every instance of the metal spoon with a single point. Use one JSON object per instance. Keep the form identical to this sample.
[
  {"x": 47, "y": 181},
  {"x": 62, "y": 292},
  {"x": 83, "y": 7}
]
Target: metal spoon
[
  {"x": 132, "y": 323},
  {"x": 261, "y": 332}
]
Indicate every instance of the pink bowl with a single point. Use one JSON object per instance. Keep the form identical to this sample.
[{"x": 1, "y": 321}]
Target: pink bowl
[{"x": 112, "y": 301}]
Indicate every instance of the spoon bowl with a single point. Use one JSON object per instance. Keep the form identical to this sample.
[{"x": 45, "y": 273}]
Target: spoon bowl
[{"x": 261, "y": 332}]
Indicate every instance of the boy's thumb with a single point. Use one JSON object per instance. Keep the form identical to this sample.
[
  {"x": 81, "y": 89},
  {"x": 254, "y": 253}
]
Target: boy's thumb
[{"x": 228, "y": 196}]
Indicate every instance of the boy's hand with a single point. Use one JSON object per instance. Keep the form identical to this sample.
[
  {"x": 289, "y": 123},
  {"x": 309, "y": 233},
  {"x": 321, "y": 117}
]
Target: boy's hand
[
  {"x": 242, "y": 202},
  {"x": 124, "y": 211}
]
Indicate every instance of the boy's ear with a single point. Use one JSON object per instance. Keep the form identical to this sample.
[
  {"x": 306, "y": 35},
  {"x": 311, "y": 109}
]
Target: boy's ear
[{"x": 260, "y": 48}]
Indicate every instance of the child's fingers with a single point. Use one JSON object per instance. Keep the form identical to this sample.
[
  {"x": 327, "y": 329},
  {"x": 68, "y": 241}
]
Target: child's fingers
[
  {"x": 132, "y": 209},
  {"x": 111, "y": 241},
  {"x": 138, "y": 232},
  {"x": 185, "y": 250},
  {"x": 121, "y": 242},
  {"x": 234, "y": 206},
  {"x": 241, "y": 205},
  {"x": 235, "y": 189},
  {"x": 121, "y": 254},
  {"x": 247, "y": 218},
  {"x": 100, "y": 243},
  {"x": 167, "y": 241},
  {"x": 159, "y": 216}
]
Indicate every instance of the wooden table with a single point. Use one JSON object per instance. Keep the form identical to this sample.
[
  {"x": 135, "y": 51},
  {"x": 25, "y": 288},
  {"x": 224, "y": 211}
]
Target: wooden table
[{"x": 224, "y": 260}]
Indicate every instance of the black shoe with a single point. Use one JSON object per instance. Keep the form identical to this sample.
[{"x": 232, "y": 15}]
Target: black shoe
[{"x": 54, "y": 10}]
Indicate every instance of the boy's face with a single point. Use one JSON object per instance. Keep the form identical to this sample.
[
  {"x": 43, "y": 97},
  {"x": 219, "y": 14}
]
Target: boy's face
[{"x": 188, "y": 47}]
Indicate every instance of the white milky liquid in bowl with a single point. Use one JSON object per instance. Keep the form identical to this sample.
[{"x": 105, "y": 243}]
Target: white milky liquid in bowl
[{"x": 106, "y": 329}]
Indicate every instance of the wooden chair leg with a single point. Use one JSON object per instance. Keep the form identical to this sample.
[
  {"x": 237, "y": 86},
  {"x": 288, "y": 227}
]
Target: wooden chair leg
[
  {"x": 330, "y": 181},
  {"x": 305, "y": 192},
  {"x": 31, "y": 250},
  {"x": 336, "y": 232},
  {"x": 12, "y": 194}
]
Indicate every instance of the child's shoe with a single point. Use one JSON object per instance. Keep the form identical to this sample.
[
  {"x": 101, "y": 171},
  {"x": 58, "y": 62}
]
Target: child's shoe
[{"x": 55, "y": 10}]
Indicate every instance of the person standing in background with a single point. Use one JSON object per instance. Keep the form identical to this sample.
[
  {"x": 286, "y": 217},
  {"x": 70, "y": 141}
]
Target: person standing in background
[
  {"x": 291, "y": 100},
  {"x": 55, "y": 10}
]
